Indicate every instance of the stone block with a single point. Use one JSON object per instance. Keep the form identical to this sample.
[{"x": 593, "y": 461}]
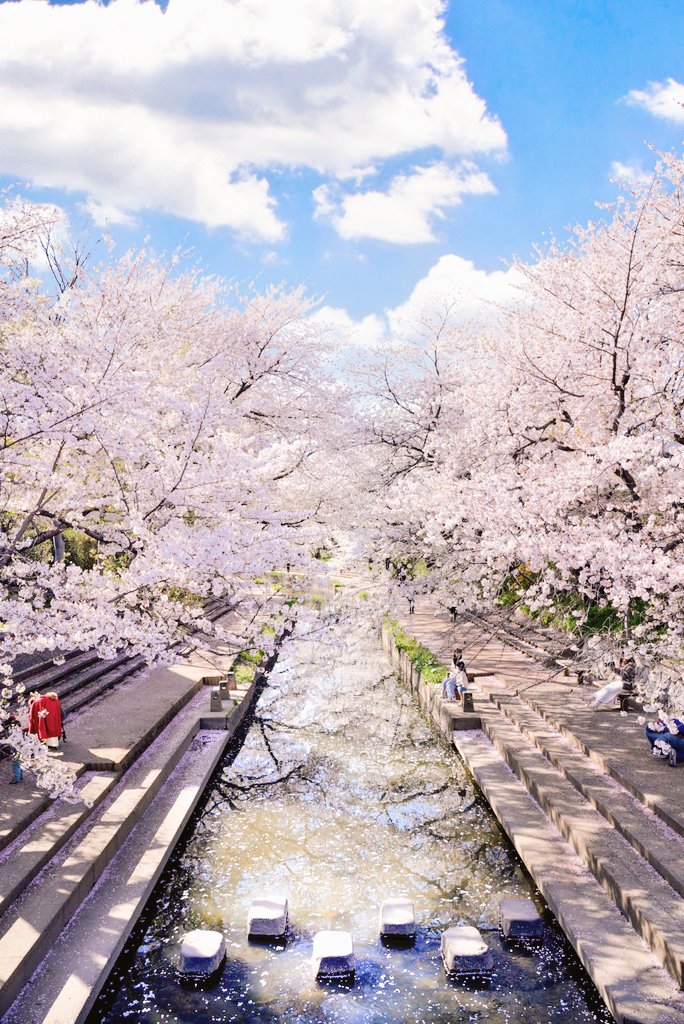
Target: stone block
[
  {"x": 267, "y": 917},
  {"x": 520, "y": 920},
  {"x": 333, "y": 954},
  {"x": 215, "y": 699},
  {"x": 201, "y": 953},
  {"x": 467, "y": 700},
  {"x": 224, "y": 692},
  {"x": 397, "y": 917},
  {"x": 465, "y": 952}
]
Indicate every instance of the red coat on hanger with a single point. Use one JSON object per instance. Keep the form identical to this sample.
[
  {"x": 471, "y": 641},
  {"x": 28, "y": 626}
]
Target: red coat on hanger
[{"x": 45, "y": 717}]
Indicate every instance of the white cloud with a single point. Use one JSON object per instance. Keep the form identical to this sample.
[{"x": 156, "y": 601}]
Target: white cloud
[
  {"x": 403, "y": 214},
  {"x": 632, "y": 171},
  {"x": 662, "y": 99},
  {"x": 343, "y": 332},
  {"x": 106, "y": 214},
  {"x": 187, "y": 110},
  {"x": 472, "y": 295}
]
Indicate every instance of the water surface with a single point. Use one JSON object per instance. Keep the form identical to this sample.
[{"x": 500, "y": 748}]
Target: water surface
[{"x": 340, "y": 797}]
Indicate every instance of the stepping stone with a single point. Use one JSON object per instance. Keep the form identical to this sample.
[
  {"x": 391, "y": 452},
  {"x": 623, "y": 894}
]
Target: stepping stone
[
  {"x": 333, "y": 955},
  {"x": 520, "y": 919},
  {"x": 465, "y": 952},
  {"x": 397, "y": 917},
  {"x": 267, "y": 917},
  {"x": 202, "y": 952}
]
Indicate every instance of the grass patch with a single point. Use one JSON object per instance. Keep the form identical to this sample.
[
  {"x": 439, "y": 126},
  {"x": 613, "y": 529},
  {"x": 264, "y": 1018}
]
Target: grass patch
[
  {"x": 430, "y": 668},
  {"x": 245, "y": 666}
]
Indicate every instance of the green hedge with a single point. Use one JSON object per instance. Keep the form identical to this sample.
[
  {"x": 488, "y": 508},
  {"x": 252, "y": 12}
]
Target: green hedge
[{"x": 430, "y": 668}]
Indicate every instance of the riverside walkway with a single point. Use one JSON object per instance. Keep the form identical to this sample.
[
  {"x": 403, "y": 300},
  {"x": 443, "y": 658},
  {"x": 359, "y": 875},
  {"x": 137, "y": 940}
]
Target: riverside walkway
[
  {"x": 596, "y": 820},
  {"x": 143, "y": 752}
]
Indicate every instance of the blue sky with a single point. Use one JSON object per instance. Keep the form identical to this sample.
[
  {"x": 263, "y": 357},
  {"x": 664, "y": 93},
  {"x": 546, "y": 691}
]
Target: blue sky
[{"x": 367, "y": 151}]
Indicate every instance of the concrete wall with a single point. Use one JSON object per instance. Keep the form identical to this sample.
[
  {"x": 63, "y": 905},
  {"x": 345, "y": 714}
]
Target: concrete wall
[{"x": 445, "y": 717}]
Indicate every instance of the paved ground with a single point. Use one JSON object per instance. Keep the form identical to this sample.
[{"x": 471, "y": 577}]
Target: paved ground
[{"x": 615, "y": 741}]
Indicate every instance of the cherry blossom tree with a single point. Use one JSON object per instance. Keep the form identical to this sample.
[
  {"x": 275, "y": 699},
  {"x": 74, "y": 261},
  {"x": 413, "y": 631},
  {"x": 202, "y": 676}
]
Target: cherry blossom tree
[
  {"x": 159, "y": 444},
  {"x": 556, "y": 456}
]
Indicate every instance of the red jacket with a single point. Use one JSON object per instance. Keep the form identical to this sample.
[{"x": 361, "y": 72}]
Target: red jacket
[{"x": 45, "y": 718}]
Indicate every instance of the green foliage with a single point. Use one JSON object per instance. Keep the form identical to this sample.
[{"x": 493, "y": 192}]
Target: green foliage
[
  {"x": 184, "y": 596},
  {"x": 430, "y": 668},
  {"x": 322, "y": 554},
  {"x": 79, "y": 549},
  {"x": 409, "y": 567},
  {"x": 569, "y": 611},
  {"x": 268, "y": 630},
  {"x": 244, "y": 674},
  {"x": 245, "y": 666}
]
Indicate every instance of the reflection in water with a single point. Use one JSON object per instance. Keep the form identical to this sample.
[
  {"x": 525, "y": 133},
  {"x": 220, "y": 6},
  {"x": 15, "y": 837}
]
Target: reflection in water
[{"x": 340, "y": 797}]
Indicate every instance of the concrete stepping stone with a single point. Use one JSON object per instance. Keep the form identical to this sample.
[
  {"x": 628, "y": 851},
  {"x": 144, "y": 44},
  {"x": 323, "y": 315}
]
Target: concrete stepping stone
[
  {"x": 333, "y": 954},
  {"x": 201, "y": 952},
  {"x": 520, "y": 920},
  {"x": 267, "y": 917},
  {"x": 465, "y": 952},
  {"x": 397, "y": 917}
]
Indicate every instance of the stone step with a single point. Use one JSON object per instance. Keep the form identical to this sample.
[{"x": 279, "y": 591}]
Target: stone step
[
  {"x": 80, "y": 667},
  {"x": 46, "y": 674},
  {"x": 139, "y": 710},
  {"x": 585, "y": 730},
  {"x": 43, "y": 839},
  {"x": 655, "y": 911},
  {"x": 654, "y": 840},
  {"x": 35, "y": 919},
  {"x": 86, "y": 687},
  {"x": 87, "y": 949},
  {"x": 631, "y": 981}
]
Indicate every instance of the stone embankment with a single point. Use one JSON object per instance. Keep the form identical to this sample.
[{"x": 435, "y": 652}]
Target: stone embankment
[
  {"x": 598, "y": 824},
  {"x": 74, "y": 879}
]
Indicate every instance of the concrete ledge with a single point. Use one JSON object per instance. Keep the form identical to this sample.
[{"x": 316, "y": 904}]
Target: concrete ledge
[
  {"x": 446, "y": 716},
  {"x": 635, "y": 987}
]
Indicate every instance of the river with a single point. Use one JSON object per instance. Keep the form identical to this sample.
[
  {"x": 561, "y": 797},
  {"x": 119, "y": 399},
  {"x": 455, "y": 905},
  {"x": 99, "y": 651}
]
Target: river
[{"x": 341, "y": 796}]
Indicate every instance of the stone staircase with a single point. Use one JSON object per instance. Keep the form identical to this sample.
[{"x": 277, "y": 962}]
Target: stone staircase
[
  {"x": 619, "y": 854},
  {"x": 81, "y": 677},
  {"x": 124, "y": 749},
  {"x": 598, "y": 824}
]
